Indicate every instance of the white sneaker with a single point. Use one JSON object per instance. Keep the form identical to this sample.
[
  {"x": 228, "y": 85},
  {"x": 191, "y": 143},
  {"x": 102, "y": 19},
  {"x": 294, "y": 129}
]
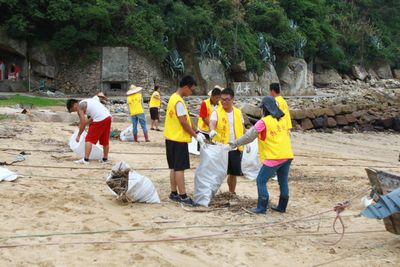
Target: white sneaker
[
  {"x": 101, "y": 161},
  {"x": 82, "y": 161},
  {"x": 275, "y": 178}
]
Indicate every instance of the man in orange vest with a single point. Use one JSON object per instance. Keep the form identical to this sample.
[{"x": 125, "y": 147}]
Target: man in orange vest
[
  {"x": 135, "y": 106},
  {"x": 178, "y": 132},
  {"x": 275, "y": 91},
  {"x": 275, "y": 153},
  {"x": 206, "y": 108},
  {"x": 226, "y": 125}
]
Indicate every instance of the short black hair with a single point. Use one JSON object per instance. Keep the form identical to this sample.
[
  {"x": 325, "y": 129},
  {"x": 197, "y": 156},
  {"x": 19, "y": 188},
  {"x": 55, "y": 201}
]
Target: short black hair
[
  {"x": 70, "y": 103},
  {"x": 275, "y": 87},
  {"x": 216, "y": 91},
  {"x": 228, "y": 91},
  {"x": 156, "y": 87},
  {"x": 187, "y": 81}
]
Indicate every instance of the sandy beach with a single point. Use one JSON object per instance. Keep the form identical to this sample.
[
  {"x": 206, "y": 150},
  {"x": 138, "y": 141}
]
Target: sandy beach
[{"x": 61, "y": 214}]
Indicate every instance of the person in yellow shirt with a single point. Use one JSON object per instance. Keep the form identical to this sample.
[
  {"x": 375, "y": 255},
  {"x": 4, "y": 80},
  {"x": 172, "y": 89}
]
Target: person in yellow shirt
[
  {"x": 178, "y": 132},
  {"x": 206, "y": 108},
  {"x": 154, "y": 105},
  {"x": 275, "y": 151},
  {"x": 275, "y": 91},
  {"x": 226, "y": 125},
  {"x": 135, "y": 107}
]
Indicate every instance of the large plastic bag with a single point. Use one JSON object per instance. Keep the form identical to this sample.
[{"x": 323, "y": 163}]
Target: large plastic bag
[
  {"x": 127, "y": 135},
  {"x": 250, "y": 161},
  {"x": 79, "y": 148},
  {"x": 210, "y": 173},
  {"x": 7, "y": 175},
  {"x": 140, "y": 188},
  {"x": 193, "y": 147}
]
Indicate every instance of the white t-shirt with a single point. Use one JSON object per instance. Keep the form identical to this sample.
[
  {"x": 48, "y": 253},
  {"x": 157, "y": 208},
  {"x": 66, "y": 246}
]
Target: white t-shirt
[
  {"x": 180, "y": 109},
  {"x": 214, "y": 117},
  {"x": 96, "y": 110}
]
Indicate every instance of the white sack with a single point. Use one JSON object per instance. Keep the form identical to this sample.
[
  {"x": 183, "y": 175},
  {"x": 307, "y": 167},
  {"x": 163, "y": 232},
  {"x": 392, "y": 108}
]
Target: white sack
[
  {"x": 79, "y": 148},
  {"x": 250, "y": 161},
  {"x": 7, "y": 175},
  {"x": 140, "y": 188},
  {"x": 127, "y": 135},
  {"x": 193, "y": 147},
  {"x": 210, "y": 173}
]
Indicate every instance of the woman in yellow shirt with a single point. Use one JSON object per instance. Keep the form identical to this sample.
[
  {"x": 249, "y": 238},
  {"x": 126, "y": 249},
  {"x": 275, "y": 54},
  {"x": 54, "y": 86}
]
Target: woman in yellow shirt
[{"x": 154, "y": 105}]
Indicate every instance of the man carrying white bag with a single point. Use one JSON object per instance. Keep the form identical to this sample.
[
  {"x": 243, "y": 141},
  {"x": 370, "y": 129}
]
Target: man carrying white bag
[{"x": 210, "y": 173}]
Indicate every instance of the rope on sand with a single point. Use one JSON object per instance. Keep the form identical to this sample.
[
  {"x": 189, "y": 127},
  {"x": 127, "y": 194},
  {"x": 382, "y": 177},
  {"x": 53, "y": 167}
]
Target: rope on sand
[{"x": 338, "y": 209}]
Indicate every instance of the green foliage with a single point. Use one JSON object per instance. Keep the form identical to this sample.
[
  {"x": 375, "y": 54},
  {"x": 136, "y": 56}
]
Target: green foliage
[
  {"x": 340, "y": 32},
  {"x": 173, "y": 64}
]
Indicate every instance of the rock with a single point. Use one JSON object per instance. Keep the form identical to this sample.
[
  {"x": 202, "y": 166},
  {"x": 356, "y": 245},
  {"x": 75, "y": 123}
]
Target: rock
[
  {"x": 348, "y": 129},
  {"x": 268, "y": 76},
  {"x": 326, "y": 77},
  {"x": 319, "y": 122},
  {"x": 359, "y": 72},
  {"x": 396, "y": 124},
  {"x": 373, "y": 74},
  {"x": 396, "y": 73},
  {"x": 245, "y": 88},
  {"x": 358, "y": 114},
  {"x": 318, "y": 112},
  {"x": 293, "y": 77},
  {"x": 350, "y": 118},
  {"x": 212, "y": 72},
  {"x": 337, "y": 109},
  {"x": 329, "y": 112},
  {"x": 306, "y": 124},
  {"x": 331, "y": 122},
  {"x": 310, "y": 114},
  {"x": 383, "y": 70},
  {"x": 252, "y": 110},
  {"x": 341, "y": 120},
  {"x": 47, "y": 71},
  {"x": 246, "y": 120},
  {"x": 240, "y": 67},
  {"x": 15, "y": 46},
  {"x": 297, "y": 114},
  {"x": 386, "y": 123}
]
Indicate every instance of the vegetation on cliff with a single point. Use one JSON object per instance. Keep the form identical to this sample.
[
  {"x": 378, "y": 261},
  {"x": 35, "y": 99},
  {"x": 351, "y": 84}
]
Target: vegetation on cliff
[{"x": 337, "y": 32}]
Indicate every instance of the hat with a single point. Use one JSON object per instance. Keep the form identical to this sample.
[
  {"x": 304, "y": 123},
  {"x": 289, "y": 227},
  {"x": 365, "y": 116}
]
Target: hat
[
  {"x": 134, "y": 89},
  {"x": 270, "y": 104},
  {"x": 101, "y": 95},
  {"x": 215, "y": 87}
]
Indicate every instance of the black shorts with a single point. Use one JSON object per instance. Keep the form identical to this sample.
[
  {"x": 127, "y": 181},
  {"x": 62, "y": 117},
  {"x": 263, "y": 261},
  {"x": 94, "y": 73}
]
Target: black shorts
[
  {"x": 235, "y": 163},
  {"x": 154, "y": 114},
  {"x": 177, "y": 155}
]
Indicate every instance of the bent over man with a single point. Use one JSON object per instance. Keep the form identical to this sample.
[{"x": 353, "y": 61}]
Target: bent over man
[{"x": 99, "y": 125}]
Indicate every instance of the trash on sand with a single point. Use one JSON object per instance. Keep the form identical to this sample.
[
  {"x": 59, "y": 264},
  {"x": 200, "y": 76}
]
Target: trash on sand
[
  {"x": 7, "y": 175},
  {"x": 79, "y": 147},
  {"x": 130, "y": 186}
]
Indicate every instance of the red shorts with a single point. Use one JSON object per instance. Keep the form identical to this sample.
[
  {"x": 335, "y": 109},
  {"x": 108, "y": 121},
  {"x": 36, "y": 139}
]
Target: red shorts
[{"x": 99, "y": 131}]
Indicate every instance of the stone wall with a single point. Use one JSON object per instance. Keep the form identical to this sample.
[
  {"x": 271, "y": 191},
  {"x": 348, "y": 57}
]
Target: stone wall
[
  {"x": 79, "y": 77},
  {"x": 146, "y": 72}
]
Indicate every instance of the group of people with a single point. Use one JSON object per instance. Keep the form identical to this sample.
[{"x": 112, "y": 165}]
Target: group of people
[{"x": 219, "y": 122}]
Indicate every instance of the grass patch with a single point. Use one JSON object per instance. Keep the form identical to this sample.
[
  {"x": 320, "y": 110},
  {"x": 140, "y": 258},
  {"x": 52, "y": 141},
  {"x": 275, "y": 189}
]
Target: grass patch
[{"x": 30, "y": 100}]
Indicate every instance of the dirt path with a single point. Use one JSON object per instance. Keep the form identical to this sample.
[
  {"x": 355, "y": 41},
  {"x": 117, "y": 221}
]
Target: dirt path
[{"x": 66, "y": 217}]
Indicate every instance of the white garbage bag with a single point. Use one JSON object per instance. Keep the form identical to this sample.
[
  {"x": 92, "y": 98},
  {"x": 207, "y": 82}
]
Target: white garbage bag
[
  {"x": 193, "y": 147},
  {"x": 127, "y": 135},
  {"x": 7, "y": 175},
  {"x": 210, "y": 173},
  {"x": 250, "y": 161},
  {"x": 79, "y": 148},
  {"x": 140, "y": 188}
]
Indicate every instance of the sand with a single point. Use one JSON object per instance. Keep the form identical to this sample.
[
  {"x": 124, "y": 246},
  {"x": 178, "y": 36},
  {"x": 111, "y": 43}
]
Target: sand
[{"x": 61, "y": 214}]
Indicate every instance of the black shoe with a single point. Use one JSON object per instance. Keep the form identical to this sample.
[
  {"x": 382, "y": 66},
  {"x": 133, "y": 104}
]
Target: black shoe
[
  {"x": 283, "y": 202},
  {"x": 152, "y": 129},
  {"x": 187, "y": 201},
  {"x": 174, "y": 197}
]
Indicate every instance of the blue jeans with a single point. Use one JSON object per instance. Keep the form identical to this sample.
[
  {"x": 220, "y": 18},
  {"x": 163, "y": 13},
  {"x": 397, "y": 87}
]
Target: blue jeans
[
  {"x": 142, "y": 120},
  {"x": 266, "y": 172}
]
